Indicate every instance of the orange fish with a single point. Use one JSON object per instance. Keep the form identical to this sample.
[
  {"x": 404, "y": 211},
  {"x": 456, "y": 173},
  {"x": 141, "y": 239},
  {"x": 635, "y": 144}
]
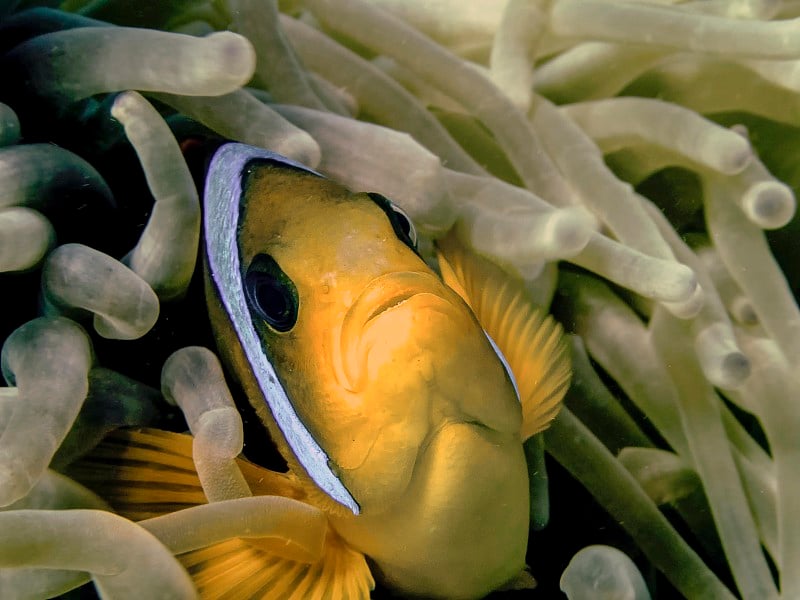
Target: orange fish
[{"x": 400, "y": 399}]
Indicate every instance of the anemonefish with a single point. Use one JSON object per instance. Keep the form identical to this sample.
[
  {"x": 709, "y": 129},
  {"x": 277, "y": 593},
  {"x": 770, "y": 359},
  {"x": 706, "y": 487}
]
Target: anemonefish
[{"x": 400, "y": 399}]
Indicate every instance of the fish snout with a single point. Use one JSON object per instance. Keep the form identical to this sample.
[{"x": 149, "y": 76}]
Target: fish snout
[{"x": 391, "y": 313}]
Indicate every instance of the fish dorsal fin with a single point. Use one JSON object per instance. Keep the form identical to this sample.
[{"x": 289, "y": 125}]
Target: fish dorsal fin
[
  {"x": 529, "y": 340},
  {"x": 149, "y": 473}
]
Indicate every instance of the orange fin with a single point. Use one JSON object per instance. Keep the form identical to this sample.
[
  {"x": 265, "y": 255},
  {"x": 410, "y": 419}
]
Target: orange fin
[
  {"x": 531, "y": 341},
  {"x": 148, "y": 473},
  {"x": 142, "y": 474},
  {"x": 235, "y": 569}
]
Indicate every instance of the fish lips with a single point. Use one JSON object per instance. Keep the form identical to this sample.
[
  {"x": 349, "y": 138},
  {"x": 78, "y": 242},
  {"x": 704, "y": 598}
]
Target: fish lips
[{"x": 381, "y": 296}]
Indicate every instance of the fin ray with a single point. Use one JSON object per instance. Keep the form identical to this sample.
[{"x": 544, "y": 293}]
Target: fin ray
[
  {"x": 145, "y": 473},
  {"x": 531, "y": 341},
  {"x": 234, "y": 569}
]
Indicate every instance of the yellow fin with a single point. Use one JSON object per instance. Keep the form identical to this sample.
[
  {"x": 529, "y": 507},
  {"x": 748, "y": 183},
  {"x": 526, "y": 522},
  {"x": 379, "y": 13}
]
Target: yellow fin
[
  {"x": 235, "y": 569},
  {"x": 531, "y": 341},
  {"x": 142, "y": 474},
  {"x": 147, "y": 473}
]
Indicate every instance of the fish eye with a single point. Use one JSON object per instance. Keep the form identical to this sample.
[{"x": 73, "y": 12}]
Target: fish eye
[
  {"x": 271, "y": 294},
  {"x": 406, "y": 224},
  {"x": 401, "y": 223}
]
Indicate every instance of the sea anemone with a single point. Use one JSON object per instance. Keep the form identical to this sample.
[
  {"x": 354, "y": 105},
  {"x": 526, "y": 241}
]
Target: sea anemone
[{"x": 623, "y": 157}]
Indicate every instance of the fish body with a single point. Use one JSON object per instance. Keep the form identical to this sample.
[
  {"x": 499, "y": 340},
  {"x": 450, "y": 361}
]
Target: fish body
[
  {"x": 400, "y": 400},
  {"x": 414, "y": 418}
]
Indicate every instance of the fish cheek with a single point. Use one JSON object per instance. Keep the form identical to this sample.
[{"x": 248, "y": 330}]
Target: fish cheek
[
  {"x": 344, "y": 424},
  {"x": 475, "y": 381},
  {"x": 397, "y": 421},
  {"x": 372, "y": 434},
  {"x": 394, "y": 445},
  {"x": 423, "y": 362}
]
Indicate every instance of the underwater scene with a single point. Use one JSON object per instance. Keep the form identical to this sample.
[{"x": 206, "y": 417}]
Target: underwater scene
[{"x": 348, "y": 299}]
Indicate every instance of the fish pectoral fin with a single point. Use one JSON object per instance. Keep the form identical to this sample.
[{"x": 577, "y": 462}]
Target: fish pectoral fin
[
  {"x": 531, "y": 341},
  {"x": 240, "y": 569},
  {"x": 146, "y": 473}
]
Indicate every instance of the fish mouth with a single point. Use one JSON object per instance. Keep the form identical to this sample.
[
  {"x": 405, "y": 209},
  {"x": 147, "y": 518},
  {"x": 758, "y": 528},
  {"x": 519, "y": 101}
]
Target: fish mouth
[
  {"x": 379, "y": 297},
  {"x": 392, "y": 302},
  {"x": 388, "y": 291}
]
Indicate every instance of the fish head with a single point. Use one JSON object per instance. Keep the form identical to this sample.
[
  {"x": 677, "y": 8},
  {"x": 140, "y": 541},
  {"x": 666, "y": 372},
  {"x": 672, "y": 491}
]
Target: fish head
[{"x": 372, "y": 351}]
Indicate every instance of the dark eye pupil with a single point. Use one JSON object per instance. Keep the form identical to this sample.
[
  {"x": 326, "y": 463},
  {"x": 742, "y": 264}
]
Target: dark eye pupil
[
  {"x": 271, "y": 293},
  {"x": 271, "y": 300}
]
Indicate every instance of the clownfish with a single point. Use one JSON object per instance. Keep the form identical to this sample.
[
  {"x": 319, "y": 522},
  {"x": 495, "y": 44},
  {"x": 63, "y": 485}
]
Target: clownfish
[{"x": 400, "y": 398}]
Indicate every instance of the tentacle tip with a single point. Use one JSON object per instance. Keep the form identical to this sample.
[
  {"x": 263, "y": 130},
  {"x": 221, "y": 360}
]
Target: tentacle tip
[
  {"x": 124, "y": 103},
  {"x": 690, "y": 306},
  {"x": 729, "y": 372},
  {"x": 299, "y": 146},
  {"x": 743, "y": 312},
  {"x": 571, "y": 231},
  {"x": 734, "y": 158},
  {"x": 769, "y": 204},
  {"x": 237, "y": 53}
]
